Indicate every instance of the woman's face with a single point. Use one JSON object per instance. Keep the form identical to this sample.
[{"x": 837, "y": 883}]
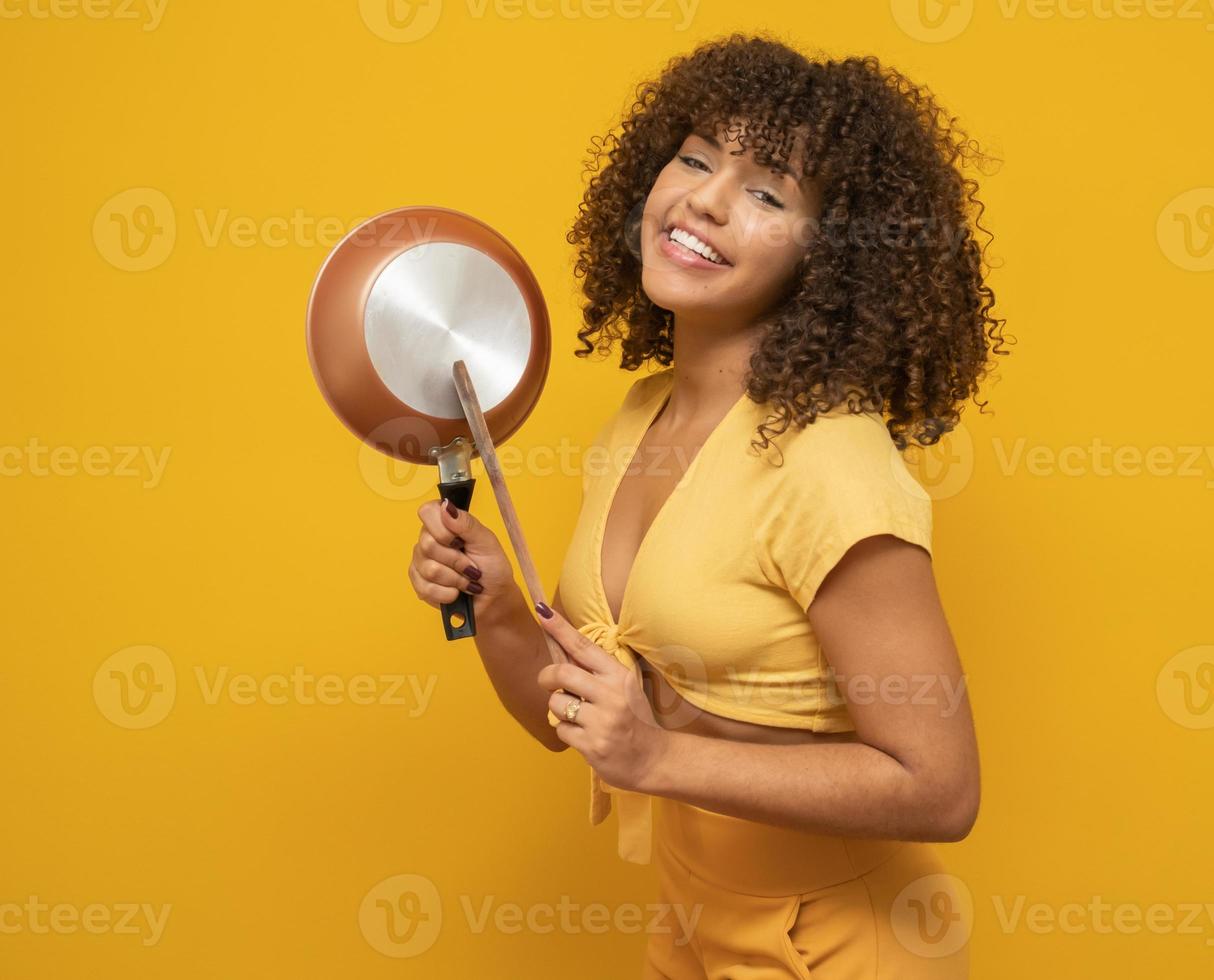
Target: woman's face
[{"x": 758, "y": 223}]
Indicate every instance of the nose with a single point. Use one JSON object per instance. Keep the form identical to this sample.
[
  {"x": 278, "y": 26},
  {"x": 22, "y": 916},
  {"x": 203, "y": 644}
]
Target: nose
[{"x": 710, "y": 197}]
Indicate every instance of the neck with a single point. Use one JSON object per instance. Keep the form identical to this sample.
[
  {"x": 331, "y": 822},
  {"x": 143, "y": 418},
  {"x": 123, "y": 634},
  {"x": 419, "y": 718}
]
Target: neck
[{"x": 710, "y": 368}]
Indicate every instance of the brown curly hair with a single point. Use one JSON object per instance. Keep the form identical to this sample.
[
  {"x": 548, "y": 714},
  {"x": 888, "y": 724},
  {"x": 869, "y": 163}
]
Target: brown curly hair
[{"x": 892, "y": 323}]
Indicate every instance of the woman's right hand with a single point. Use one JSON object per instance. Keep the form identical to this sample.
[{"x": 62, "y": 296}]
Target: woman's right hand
[{"x": 440, "y": 570}]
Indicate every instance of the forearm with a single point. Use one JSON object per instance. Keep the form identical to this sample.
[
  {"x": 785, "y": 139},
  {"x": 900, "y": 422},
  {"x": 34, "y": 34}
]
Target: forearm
[
  {"x": 513, "y": 648},
  {"x": 845, "y": 788}
]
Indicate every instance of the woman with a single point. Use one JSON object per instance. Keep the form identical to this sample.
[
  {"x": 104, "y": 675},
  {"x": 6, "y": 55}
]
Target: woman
[{"x": 761, "y": 676}]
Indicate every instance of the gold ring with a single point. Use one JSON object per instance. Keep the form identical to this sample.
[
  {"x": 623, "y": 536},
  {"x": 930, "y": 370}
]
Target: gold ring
[{"x": 572, "y": 708}]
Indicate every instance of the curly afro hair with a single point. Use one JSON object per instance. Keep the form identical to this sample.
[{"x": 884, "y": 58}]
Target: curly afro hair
[{"x": 888, "y": 310}]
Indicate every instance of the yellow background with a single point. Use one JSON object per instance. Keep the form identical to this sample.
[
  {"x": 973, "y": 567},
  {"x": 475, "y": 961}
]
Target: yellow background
[{"x": 1078, "y": 587}]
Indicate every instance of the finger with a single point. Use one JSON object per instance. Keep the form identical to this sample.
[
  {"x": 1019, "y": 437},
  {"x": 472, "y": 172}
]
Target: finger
[
  {"x": 435, "y": 595},
  {"x": 547, "y": 677},
  {"x": 463, "y": 524},
  {"x": 561, "y": 700},
  {"x": 428, "y": 546},
  {"x": 420, "y": 587},
  {"x": 430, "y": 513},
  {"x": 587, "y": 653},
  {"x": 440, "y": 574},
  {"x": 575, "y": 736},
  {"x": 576, "y": 680}
]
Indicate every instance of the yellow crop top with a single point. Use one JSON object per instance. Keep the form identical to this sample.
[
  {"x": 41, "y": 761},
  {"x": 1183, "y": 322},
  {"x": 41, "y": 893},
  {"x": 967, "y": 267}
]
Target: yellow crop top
[{"x": 717, "y": 595}]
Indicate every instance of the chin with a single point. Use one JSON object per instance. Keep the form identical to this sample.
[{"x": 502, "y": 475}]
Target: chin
[
  {"x": 678, "y": 292},
  {"x": 678, "y": 301}
]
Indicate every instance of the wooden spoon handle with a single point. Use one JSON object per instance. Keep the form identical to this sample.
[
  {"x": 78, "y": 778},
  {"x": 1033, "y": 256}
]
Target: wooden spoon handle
[{"x": 484, "y": 446}]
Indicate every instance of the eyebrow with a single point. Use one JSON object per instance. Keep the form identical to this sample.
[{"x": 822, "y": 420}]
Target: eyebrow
[{"x": 715, "y": 144}]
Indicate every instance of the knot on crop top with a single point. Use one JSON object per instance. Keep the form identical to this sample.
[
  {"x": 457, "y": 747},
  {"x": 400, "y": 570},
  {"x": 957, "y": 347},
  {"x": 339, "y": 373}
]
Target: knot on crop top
[
  {"x": 607, "y": 635},
  {"x": 634, "y": 812}
]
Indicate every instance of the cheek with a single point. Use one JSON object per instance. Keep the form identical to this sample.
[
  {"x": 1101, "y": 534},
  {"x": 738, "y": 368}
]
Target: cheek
[
  {"x": 772, "y": 247},
  {"x": 664, "y": 193}
]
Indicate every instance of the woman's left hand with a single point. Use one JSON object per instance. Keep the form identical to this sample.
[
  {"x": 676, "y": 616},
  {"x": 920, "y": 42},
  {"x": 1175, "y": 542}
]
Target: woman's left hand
[{"x": 615, "y": 730}]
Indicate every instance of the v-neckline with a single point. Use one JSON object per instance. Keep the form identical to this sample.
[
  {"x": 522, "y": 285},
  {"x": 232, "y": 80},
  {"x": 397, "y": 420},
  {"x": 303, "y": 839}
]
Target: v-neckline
[{"x": 633, "y": 440}]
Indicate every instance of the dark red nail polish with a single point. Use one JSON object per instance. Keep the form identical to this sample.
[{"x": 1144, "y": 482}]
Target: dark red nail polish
[
  {"x": 475, "y": 588},
  {"x": 452, "y": 509},
  {"x": 457, "y": 542},
  {"x": 543, "y": 610},
  {"x": 472, "y": 571}
]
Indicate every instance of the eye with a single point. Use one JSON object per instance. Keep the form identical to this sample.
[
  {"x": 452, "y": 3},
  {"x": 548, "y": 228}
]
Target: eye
[{"x": 772, "y": 200}]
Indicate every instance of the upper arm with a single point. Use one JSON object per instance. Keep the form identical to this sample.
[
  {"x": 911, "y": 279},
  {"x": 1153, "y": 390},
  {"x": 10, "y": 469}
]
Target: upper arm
[
  {"x": 881, "y": 625},
  {"x": 851, "y": 543}
]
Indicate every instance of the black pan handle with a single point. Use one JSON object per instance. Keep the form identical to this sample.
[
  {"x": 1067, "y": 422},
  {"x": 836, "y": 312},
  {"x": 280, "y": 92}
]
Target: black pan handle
[{"x": 458, "y": 617}]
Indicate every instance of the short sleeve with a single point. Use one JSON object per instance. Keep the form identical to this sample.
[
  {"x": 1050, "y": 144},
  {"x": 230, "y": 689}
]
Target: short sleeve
[{"x": 837, "y": 486}]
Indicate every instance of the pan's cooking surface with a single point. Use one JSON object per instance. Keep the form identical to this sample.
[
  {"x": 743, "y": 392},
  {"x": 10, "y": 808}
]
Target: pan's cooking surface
[{"x": 439, "y": 302}]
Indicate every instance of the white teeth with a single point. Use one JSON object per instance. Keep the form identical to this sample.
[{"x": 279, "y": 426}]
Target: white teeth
[{"x": 693, "y": 243}]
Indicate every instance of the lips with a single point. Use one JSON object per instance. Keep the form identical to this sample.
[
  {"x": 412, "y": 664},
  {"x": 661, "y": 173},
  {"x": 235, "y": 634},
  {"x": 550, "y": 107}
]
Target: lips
[{"x": 702, "y": 236}]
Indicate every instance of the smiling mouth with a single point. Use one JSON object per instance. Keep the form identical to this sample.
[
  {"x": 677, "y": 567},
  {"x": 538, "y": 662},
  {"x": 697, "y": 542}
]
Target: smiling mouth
[{"x": 688, "y": 257}]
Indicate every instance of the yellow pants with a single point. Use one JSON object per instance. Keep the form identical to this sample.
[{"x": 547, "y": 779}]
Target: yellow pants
[{"x": 760, "y": 902}]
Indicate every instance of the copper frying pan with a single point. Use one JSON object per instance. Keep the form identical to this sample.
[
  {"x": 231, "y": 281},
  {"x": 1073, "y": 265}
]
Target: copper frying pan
[{"x": 429, "y": 338}]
